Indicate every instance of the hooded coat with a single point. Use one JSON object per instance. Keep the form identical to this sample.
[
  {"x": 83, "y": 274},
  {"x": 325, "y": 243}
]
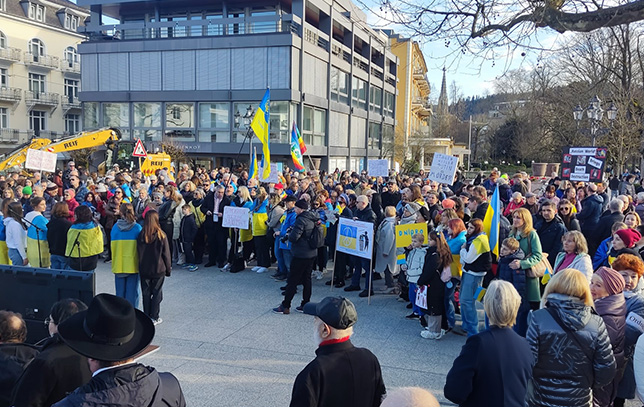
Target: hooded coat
[
  {"x": 125, "y": 258},
  {"x": 562, "y": 374},
  {"x": 386, "y": 245}
]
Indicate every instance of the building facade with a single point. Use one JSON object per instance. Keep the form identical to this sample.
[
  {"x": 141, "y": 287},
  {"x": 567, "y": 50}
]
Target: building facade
[
  {"x": 191, "y": 73},
  {"x": 39, "y": 70}
]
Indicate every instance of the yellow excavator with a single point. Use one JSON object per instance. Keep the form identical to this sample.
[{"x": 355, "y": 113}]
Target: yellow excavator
[{"x": 109, "y": 137}]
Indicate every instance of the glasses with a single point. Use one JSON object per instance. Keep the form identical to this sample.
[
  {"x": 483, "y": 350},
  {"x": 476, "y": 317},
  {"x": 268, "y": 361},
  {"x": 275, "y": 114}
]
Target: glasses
[
  {"x": 118, "y": 192},
  {"x": 565, "y": 209},
  {"x": 48, "y": 321}
]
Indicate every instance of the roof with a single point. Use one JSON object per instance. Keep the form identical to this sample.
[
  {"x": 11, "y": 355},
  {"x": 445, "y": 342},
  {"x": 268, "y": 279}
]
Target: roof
[{"x": 19, "y": 8}]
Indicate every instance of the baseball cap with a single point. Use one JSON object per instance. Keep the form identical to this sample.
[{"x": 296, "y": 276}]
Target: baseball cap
[{"x": 337, "y": 312}]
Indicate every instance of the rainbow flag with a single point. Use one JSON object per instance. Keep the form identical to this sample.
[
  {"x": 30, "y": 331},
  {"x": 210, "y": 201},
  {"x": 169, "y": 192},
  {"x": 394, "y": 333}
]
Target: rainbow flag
[
  {"x": 492, "y": 222},
  {"x": 253, "y": 165},
  {"x": 296, "y": 148},
  {"x": 261, "y": 127}
]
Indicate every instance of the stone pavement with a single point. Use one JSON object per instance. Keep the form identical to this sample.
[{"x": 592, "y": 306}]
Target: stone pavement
[{"x": 221, "y": 339}]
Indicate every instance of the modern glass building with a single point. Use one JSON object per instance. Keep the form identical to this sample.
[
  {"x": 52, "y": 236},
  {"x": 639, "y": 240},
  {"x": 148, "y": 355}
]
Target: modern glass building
[{"x": 192, "y": 72}]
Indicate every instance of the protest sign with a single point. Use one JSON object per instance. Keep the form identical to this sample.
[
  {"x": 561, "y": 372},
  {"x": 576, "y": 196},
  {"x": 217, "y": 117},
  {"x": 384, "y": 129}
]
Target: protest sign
[
  {"x": 235, "y": 217},
  {"x": 273, "y": 177},
  {"x": 443, "y": 168},
  {"x": 355, "y": 237},
  {"x": 40, "y": 160},
  {"x": 583, "y": 163},
  {"x": 405, "y": 232},
  {"x": 378, "y": 168}
]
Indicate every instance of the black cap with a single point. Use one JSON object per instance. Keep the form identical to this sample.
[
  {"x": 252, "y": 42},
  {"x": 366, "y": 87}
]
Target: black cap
[
  {"x": 337, "y": 312},
  {"x": 290, "y": 198},
  {"x": 302, "y": 204}
]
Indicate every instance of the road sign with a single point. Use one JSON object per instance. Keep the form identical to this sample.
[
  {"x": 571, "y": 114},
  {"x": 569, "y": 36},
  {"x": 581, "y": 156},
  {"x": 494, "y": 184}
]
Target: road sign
[{"x": 139, "y": 150}]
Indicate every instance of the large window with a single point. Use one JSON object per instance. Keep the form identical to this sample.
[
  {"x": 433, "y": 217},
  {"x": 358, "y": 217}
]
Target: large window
[
  {"x": 147, "y": 121},
  {"x": 72, "y": 123},
  {"x": 179, "y": 121},
  {"x": 339, "y": 86},
  {"x": 4, "y": 118},
  {"x": 117, "y": 115},
  {"x": 359, "y": 93},
  {"x": 243, "y": 113},
  {"x": 388, "y": 141},
  {"x": 314, "y": 126},
  {"x": 389, "y": 104},
  {"x": 71, "y": 56},
  {"x": 36, "y": 48},
  {"x": 375, "y": 99},
  {"x": 37, "y": 121},
  {"x": 90, "y": 115},
  {"x": 36, "y": 83},
  {"x": 71, "y": 90},
  {"x": 214, "y": 122},
  {"x": 279, "y": 126},
  {"x": 374, "y": 135}
]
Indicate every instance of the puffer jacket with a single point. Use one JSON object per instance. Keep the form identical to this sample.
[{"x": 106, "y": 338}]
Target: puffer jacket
[
  {"x": 563, "y": 375},
  {"x": 300, "y": 234},
  {"x": 612, "y": 309},
  {"x": 415, "y": 262},
  {"x": 634, "y": 328}
]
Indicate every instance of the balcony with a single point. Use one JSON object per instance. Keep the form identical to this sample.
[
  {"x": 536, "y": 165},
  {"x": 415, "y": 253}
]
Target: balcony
[
  {"x": 70, "y": 67},
  {"x": 70, "y": 103},
  {"x": 9, "y": 54},
  {"x": 316, "y": 37},
  {"x": 42, "y": 61},
  {"x": 10, "y": 95},
  {"x": 391, "y": 79},
  {"x": 421, "y": 106},
  {"x": 419, "y": 74},
  {"x": 42, "y": 134},
  {"x": 41, "y": 98},
  {"x": 9, "y": 136}
]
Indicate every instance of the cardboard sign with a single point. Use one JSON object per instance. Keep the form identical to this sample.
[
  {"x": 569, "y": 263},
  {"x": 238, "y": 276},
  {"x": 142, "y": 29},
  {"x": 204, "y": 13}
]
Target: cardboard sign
[
  {"x": 41, "y": 160},
  {"x": 273, "y": 177},
  {"x": 405, "y": 232},
  {"x": 355, "y": 237},
  {"x": 443, "y": 168},
  {"x": 583, "y": 163},
  {"x": 378, "y": 168},
  {"x": 236, "y": 217}
]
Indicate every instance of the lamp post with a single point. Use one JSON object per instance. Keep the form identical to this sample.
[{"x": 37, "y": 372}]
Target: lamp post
[
  {"x": 245, "y": 120},
  {"x": 595, "y": 114}
]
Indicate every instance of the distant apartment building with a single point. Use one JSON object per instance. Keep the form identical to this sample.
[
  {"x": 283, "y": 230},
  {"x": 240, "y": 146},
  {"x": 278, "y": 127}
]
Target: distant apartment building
[
  {"x": 191, "y": 73},
  {"x": 39, "y": 69}
]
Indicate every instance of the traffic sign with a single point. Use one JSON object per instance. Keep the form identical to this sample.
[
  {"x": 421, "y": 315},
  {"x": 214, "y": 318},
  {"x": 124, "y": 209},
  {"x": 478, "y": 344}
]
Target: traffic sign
[{"x": 139, "y": 150}]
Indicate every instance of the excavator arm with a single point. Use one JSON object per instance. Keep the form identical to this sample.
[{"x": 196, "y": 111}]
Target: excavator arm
[
  {"x": 88, "y": 139},
  {"x": 17, "y": 157}
]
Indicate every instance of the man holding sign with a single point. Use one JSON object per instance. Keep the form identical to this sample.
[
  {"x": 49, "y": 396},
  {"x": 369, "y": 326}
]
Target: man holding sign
[
  {"x": 213, "y": 207},
  {"x": 364, "y": 213}
]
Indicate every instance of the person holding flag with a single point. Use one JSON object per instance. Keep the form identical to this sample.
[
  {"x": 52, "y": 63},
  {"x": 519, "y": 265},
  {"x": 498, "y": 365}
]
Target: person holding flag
[
  {"x": 297, "y": 148},
  {"x": 261, "y": 127},
  {"x": 253, "y": 172}
]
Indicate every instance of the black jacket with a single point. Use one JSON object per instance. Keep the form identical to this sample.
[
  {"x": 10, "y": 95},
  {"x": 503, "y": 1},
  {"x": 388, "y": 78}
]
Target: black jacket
[
  {"x": 480, "y": 211},
  {"x": 57, "y": 235},
  {"x": 188, "y": 229},
  {"x": 209, "y": 205},
  {"x": 605, "y": 225},
  {"x": 431, "y": 277},
  {"x": 129, "y": 385},
  {"x": 591, "y": 210},
  {"x": 390, "y": 199},
  {"x": 550, "y": 234},
  {"x": 300, "y": 234},
  {"x": 341, "y": 375},
  {"x": 13, "y": 359},
  {"x": 54, "y": 373},
  {"x": 493, "y": 370},
  {"x": 366, "y": 215},
  {"x": 155, "y": 260}
]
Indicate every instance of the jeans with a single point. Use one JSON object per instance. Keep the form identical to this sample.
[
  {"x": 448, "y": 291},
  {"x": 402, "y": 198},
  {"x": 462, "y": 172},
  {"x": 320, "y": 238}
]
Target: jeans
[
  {"x": 127, "y": 286},
  {"x": 59, "y": 262},
  {"x": 450, "y": 310},
  {"x": 300, "y": 273},
  {"x": 288, "y": 259},
  {"x": 281, "y": 267},
  {"x": 412, "y": 298},
  {"x": 360, "y": 264},
  {"x": 152, "y": 293},
  {"x": 15, "y": 257},
  {"x": 469, "y": 316}
]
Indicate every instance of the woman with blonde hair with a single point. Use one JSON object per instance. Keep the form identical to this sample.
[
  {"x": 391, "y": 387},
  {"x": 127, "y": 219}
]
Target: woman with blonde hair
[
  {"x": 125, "y": 258},
  {"x": 574, "y": 254},
  {"x": 632, "y": 220},
  {"x": 570, "y": 345},
  {"x": 530, "y": 244}
]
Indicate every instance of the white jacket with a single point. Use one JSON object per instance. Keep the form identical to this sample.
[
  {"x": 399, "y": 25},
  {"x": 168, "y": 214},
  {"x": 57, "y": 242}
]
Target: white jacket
[
  {"x": 415, "y": 262},
  {"x": 16, "y": 236}
]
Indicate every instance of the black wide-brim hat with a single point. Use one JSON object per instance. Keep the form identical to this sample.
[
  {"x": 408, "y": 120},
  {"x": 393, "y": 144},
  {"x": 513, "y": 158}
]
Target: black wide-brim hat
[{"x": 109, "y": 330}]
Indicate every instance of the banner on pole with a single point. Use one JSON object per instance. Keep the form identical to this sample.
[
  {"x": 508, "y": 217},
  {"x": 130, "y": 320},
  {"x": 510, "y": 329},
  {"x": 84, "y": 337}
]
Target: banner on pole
[
  {"x": 235, "y": 217},
  {"x": 405, "y": 232},
  {"x": 355, "y": 237}
]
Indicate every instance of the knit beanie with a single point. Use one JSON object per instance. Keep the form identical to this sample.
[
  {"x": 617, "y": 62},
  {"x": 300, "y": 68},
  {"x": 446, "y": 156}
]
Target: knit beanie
[
  {"x": 26, "y": 190},
  {"x": 448, "y": 204},
  {"x": 613, "y": 281},
  {"x": 629, "y": 236},
  {"x": 302, "y": 204}
]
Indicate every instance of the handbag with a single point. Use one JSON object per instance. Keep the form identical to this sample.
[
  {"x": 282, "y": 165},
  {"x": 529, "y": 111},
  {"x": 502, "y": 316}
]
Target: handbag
[{"x": 539, "y": 269}]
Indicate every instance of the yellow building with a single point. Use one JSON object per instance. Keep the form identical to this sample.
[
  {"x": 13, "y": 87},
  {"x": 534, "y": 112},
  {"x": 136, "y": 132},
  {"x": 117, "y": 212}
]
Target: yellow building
[
  {"x": 413, "y": 109},
  {"x": 39, "y": 69}
]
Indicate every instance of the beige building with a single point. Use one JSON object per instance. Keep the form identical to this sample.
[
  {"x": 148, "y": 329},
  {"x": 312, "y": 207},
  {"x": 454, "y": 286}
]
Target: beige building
[{"x": 39, "y": 69}]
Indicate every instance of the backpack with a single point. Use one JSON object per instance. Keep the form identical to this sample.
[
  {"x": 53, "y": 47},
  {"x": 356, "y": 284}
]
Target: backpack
[{"x": 316, "y": 240}]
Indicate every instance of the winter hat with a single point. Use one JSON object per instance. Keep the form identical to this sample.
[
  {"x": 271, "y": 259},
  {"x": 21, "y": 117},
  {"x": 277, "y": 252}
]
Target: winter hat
[
  {"x": 51, "y": 186},
  {"x": 629, "y": 236},
  {"x": 345, "y": 197},
  {"x": 613, "y": 281},
  {"x": 26, "y": 190},
  {"x": 448, "y": 204},
  {"x": 302, "y": 204}
]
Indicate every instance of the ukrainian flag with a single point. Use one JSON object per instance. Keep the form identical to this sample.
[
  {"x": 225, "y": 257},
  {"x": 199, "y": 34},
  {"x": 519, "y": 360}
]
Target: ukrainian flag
[
  {"x": 261, "y": 126},
  {"x": 89, "y": 238},
  {"x": 253, "y": 165},
  {"x": 492, "y": 222},
  {"x": 125, "y": 258},
  {"x": 4, "y": 251},
  {"x": 296, "y": 148},
  {"x": 348, "y": 237},
  {"x": 38, "y": 239}
]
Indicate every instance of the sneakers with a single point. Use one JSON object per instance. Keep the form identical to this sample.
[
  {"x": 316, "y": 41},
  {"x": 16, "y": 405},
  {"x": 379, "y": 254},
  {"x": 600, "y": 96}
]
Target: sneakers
[
  {"x": 300, "y": 309},
  {"x": 352, "y": 288},
  {"x": 157, "y": 321},
  {"x": 261, "y": 270},
  {"x": 318, "y": 274},
  {"x": 192, "y": 268},
  {"x": 428, "y": 334},
  {"x": 365, "y": 293},
  {"x": 225, "y": 268},
  {"x": 184, "y": 265},
  {"x": 413, "y": 315},
  {"x": 256, "y": 268},
  {"x": 282, "y": 310}
]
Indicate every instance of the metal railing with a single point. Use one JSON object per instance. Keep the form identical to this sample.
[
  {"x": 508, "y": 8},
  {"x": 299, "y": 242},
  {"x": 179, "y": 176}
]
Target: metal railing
[
  {"x": 10, "y": 54},
  {"x": 46, "y": 61},
  {"x": 10, "y": 94},
  {"x": 69, "y": 66},
  {"x": 42, "y": 98},
  {"x": 70, "y": 103},
  {"x": 9, "y": 135}
]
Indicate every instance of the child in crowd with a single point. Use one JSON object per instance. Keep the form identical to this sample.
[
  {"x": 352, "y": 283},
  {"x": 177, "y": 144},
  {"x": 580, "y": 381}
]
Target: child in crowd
[
  {"x": 437, "y": 260},
  {"x": 187, "y": 234},
  {"x": 509, "y": 252},
  {"x": 624, "y": 241},
  {"x": 415, "y": 262}
]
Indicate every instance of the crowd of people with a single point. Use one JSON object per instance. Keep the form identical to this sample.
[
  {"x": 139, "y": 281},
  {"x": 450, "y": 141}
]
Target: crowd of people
[{"x": 587, "y": 235}]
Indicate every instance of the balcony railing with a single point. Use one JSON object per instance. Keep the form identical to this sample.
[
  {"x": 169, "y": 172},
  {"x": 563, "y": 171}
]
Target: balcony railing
[
  {"x": 10, "y": 94},
  {"x": 42, "y": 98},
  {"x": 10, "y": 54},
  {"x": 42, "y": 134},
  {"x": 70, "y": 103},
  {"x": 69, "y": 66},
  {"x": 45, "y": 61},
  {"x": 9, "y": 136},
  {"x": 316, "y": 38}
]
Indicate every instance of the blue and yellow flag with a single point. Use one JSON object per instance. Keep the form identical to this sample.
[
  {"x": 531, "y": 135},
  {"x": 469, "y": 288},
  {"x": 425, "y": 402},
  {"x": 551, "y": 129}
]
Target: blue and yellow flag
[
  {"x": 253, "y": 165},
  {"x": 492, "y": 222},
  {"x": 261, "y": 127}
]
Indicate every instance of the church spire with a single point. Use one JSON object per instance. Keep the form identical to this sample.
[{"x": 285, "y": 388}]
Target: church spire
[{"x": 443, "y": 103}]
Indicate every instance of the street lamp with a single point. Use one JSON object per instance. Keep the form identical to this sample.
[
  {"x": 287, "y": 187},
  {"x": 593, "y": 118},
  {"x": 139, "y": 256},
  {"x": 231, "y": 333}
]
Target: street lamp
[{"x": 595, "y": 114}]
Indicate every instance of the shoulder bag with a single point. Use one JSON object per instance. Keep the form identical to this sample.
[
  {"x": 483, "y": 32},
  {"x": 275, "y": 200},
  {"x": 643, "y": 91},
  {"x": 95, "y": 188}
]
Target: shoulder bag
[{"x": 539, "y": 269}]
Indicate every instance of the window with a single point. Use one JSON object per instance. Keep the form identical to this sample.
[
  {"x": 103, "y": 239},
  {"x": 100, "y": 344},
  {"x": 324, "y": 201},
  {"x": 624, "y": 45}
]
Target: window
[
  {"x": 71, "y": 22},
  {"x": 375, "y": 100},
  {"x": 71, "y": 90},
  {"x": 339, "y": 86},
  {"x": 36, "y": 49},
  {"x": 71, "y": 56},
  {"x": 3, "y": 5},
  {"x": 4, "y": 78},
  {"x": 374, "y": 135},
  {"x": 90, "y": 115},
  {"x": 389, "y": 104},
  {"x": 214, "y": 122},
  {"x": 37, "y": 121},
  {"x": 243, "y": 113},
  {"x": 3, "y": 38},
  {"x": 36, "y": 12},
  {"x": 280, "y": 125},
  {"x": 179, "y": 121},
  {"x": 147, "y": 116},
  {"x": 314, "y": 126},
  {"x": 36, "y": 83},
  {"x": 388, "y": 140},
  {"x": 4, "y": 118},
  {"x": 72, "y": 123},
  {"x": 359, "y": 93},
  {"x": 115, "y": 115}
]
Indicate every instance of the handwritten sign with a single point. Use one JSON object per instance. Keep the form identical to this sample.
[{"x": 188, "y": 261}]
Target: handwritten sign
[
  {"x": 583, "y": 163},
  {"x": 355, "y": 237},
  {"x": 405, "y": 232},
  {"x": 235, "y": 217},
  {"x": 41, "y": 160},
  {"x": 273, "y": 177},
  {"x": 378, "y": 168},
  {"x": 443, "y": 168}
]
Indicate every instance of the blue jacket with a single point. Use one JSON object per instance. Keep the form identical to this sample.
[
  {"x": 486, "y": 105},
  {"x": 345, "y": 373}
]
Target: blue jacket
[
  {"x": 289, "y": 220},
  {"x": 601, "y": 255},
  {"x": 457, "y": 242},
  {"x": 493, "y": 370},
  {"x": 515, "y": 277}
]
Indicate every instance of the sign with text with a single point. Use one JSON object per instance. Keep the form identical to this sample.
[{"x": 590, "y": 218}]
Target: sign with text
[
  {"x": 378, "y": 168},
  {"x": 41, "y": 160},
  {"x": 405, "y": 232},
  {"x": 236, "y": 217},
  {"x": 273, "y": 177},
  {"x": 443, "y": 168},
  {"x": 355, "y": 237},
  {"x": 583, "y": 163}
]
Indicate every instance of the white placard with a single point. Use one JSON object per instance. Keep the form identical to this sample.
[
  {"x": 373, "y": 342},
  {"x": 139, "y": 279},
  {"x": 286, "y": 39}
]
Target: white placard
[
  {"x": 236, "y": 217},
  {"x": 579, "y": 177},
  {"x": 443, "y": 168},
  {"x": 595, "y": 162},
  {"x": 580, "y": 169},
  {"x": 41, "y": 160},
  {"x": 273, "y": 177},
  {"x": 355, "y": 237},
  {"x": 378, "y": 168},
  {"x": 582, "y": 151}
]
